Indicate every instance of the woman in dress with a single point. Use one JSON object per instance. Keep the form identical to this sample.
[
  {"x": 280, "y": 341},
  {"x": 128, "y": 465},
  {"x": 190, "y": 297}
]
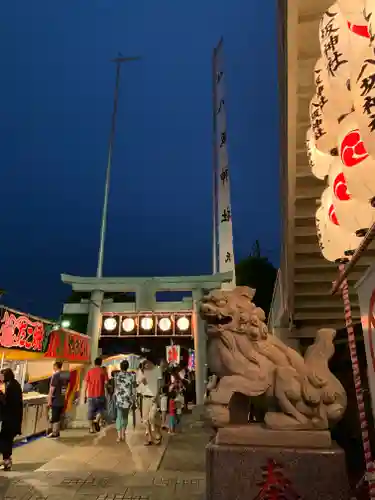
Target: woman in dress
[
  {"x": 124, "y": 397},
  {"x": 11, "y": 411}
]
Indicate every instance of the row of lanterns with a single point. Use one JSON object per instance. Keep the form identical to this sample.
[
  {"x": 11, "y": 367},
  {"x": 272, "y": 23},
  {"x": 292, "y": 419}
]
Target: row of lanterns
[
  {"x": 146, "y": 323},
  {"x": 341, "y": 138}
]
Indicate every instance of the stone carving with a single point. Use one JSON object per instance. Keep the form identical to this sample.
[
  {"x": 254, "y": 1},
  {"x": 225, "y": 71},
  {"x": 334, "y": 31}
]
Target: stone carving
[{"x": 251, "y": 362}]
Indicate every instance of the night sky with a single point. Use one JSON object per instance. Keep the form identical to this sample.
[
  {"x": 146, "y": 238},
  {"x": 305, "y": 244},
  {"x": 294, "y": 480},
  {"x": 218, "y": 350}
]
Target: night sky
[{"x": 56, "y": 92}]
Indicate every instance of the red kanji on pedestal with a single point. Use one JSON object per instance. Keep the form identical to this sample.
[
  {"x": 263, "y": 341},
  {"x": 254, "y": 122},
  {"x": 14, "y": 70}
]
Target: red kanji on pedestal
[{"x": 274, "y": 485}]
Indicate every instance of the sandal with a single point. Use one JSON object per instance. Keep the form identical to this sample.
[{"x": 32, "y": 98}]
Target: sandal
[{"x": 7, "y": 466}]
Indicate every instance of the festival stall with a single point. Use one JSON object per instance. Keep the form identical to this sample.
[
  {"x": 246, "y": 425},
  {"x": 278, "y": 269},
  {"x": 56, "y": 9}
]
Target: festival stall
[
  {"x": 113, "y": 362},
  {"x": 29, "y": 346}
]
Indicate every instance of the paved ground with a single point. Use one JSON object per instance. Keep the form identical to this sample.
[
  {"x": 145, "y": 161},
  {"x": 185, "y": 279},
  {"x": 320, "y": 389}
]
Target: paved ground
[{"x": 81, "y": 467}]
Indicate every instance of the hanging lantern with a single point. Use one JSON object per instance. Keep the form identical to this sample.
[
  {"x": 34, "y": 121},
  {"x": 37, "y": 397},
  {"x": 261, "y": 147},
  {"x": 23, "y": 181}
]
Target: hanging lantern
[
  {"x": 172, "y": 353},
  {"x": 333, "y": 103},
  {"x": 333, "y": 37},
  {"x": 336, "y": 244},
  {"x": 358, "y": 165},
  {"x": 324, "y": 132},
  {"x": 369, "y": 15},
  {"x": 353, "y": 215},
  {"x": 319, "y": 162},
  {"x": 340, "y": 43},
  {"x": 352, "y": 11},
  {"x": 363, "y": 91}
]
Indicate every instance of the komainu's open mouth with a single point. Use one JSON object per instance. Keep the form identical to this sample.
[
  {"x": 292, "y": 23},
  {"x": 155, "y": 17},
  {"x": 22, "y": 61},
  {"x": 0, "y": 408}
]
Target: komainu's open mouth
[{"x": 218, "y": 320}]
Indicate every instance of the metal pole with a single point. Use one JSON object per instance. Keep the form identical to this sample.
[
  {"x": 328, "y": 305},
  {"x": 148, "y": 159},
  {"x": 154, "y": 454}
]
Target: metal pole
[
  {"x": 214, "y": 166},
  {"x": 118, "y": 61}
]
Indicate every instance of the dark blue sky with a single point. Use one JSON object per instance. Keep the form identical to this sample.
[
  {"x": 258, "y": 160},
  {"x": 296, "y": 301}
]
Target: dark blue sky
[{"x": 56, "y": 94}]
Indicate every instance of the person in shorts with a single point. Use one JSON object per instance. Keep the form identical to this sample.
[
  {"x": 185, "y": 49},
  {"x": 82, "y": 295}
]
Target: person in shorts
[
  {"x": 95, "y": 383},
  {"x": 164, "y": 407},
  {"x": 172, "y": 421},
  {"x": 56, "y": 398}
]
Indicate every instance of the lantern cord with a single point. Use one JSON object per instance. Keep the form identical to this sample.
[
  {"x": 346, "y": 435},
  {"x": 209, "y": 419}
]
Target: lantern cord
[
  {"x": 370, "y": 469},
  {"x": 370, "y": 235}
]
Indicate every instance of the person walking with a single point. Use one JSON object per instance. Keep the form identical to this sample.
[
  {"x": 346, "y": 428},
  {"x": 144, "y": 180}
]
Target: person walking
[
  {"x": 11, "y": 410},
  {"x": 172, "y": 413},
  {"x": 124, "y": 398},
  {"x": 95, "y": 383},
  {"x": 56, "y": 398},
  {"x": 111, "y": 403},
  {"x": 139, "y": 382},
  {"x": 152, "y": 379}
]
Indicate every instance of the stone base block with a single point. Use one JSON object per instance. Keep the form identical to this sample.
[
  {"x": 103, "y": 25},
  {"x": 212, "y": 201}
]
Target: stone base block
[
  {"x": 265, "y": 472},
  {"x": 258, "y": 435}
]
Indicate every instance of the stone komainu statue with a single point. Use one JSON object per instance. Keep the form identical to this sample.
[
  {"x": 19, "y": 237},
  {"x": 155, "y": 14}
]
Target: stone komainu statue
[{"x": 250, "y": 361}]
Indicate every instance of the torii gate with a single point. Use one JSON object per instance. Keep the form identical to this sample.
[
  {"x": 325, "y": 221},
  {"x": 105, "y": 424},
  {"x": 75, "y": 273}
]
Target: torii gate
[{"x": 145, "y": 292}]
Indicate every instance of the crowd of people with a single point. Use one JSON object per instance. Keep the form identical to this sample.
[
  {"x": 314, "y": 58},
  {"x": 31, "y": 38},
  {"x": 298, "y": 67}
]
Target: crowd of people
[{"x": 158, "y": 394}]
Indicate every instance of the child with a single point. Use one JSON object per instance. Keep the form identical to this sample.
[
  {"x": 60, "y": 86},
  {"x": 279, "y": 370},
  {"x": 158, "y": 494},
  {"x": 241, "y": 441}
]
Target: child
[
  {"x": 164, "y": 407},
  {"x": 179, "y": 407},
  {"x": 172, "y": 413}
]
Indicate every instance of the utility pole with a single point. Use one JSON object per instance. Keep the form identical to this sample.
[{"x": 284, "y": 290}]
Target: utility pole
[{"x": 118, "y": 61}]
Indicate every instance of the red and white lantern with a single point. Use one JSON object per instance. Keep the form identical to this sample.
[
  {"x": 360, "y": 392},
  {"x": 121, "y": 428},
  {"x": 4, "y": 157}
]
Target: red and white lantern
[
  {"x": 369, "y": 15},
  {"x": 363, "y": 91},
  {"x": 341, "y": 41},
  {"x": 173, "y": 354},
  {"x": 319, "y": 162},
  {"x": 352, "y": 11},
  {"x": 333, "y": 37},
  {"x": 336, "y": 244},
  {"x": 324, "y": 132},
  {"x": 353, "y": 215},
  {"x": 333, "y": 103},
  {"x": 358, "y": 165}
]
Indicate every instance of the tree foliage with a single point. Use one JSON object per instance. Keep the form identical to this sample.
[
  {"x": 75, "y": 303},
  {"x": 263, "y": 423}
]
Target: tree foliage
[{"x": 257, "y": 272}]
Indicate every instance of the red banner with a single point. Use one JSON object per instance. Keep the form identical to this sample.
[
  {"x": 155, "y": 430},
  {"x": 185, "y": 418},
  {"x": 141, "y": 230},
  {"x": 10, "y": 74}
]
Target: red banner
[
  {"x": 19, "y": 331},
  {"x": 69, "y": 346}
]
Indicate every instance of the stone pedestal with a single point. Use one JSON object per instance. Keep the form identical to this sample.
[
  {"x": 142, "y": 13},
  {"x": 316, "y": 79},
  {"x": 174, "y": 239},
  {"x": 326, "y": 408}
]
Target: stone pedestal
[{"x": 255, "y": 472}]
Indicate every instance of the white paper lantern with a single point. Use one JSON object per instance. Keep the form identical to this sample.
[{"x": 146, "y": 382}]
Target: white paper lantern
[
  {"x": 369, "y": 15},
  {"x": 340, "y": 43},
  {"x": 183, "y": 323},
  {"x": 319, "y": 162},
  {"x": 333, "y": 37},
  {"x": 336, "y": 244},
  {"x": 324, "y": 132},
  {"x": 352, "y": 10},
  {"x": 334, "y": 102},
  {"x": 165, "y": 324},
  {"x": 110, "y": 324},
  {"x": 353, "y": 215},
  {"x": 128, "y": 325},
  {"x": 358, "y": 165},
  {"x": 147, "y": 323},
  {"x": 363, "y": 91}
]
